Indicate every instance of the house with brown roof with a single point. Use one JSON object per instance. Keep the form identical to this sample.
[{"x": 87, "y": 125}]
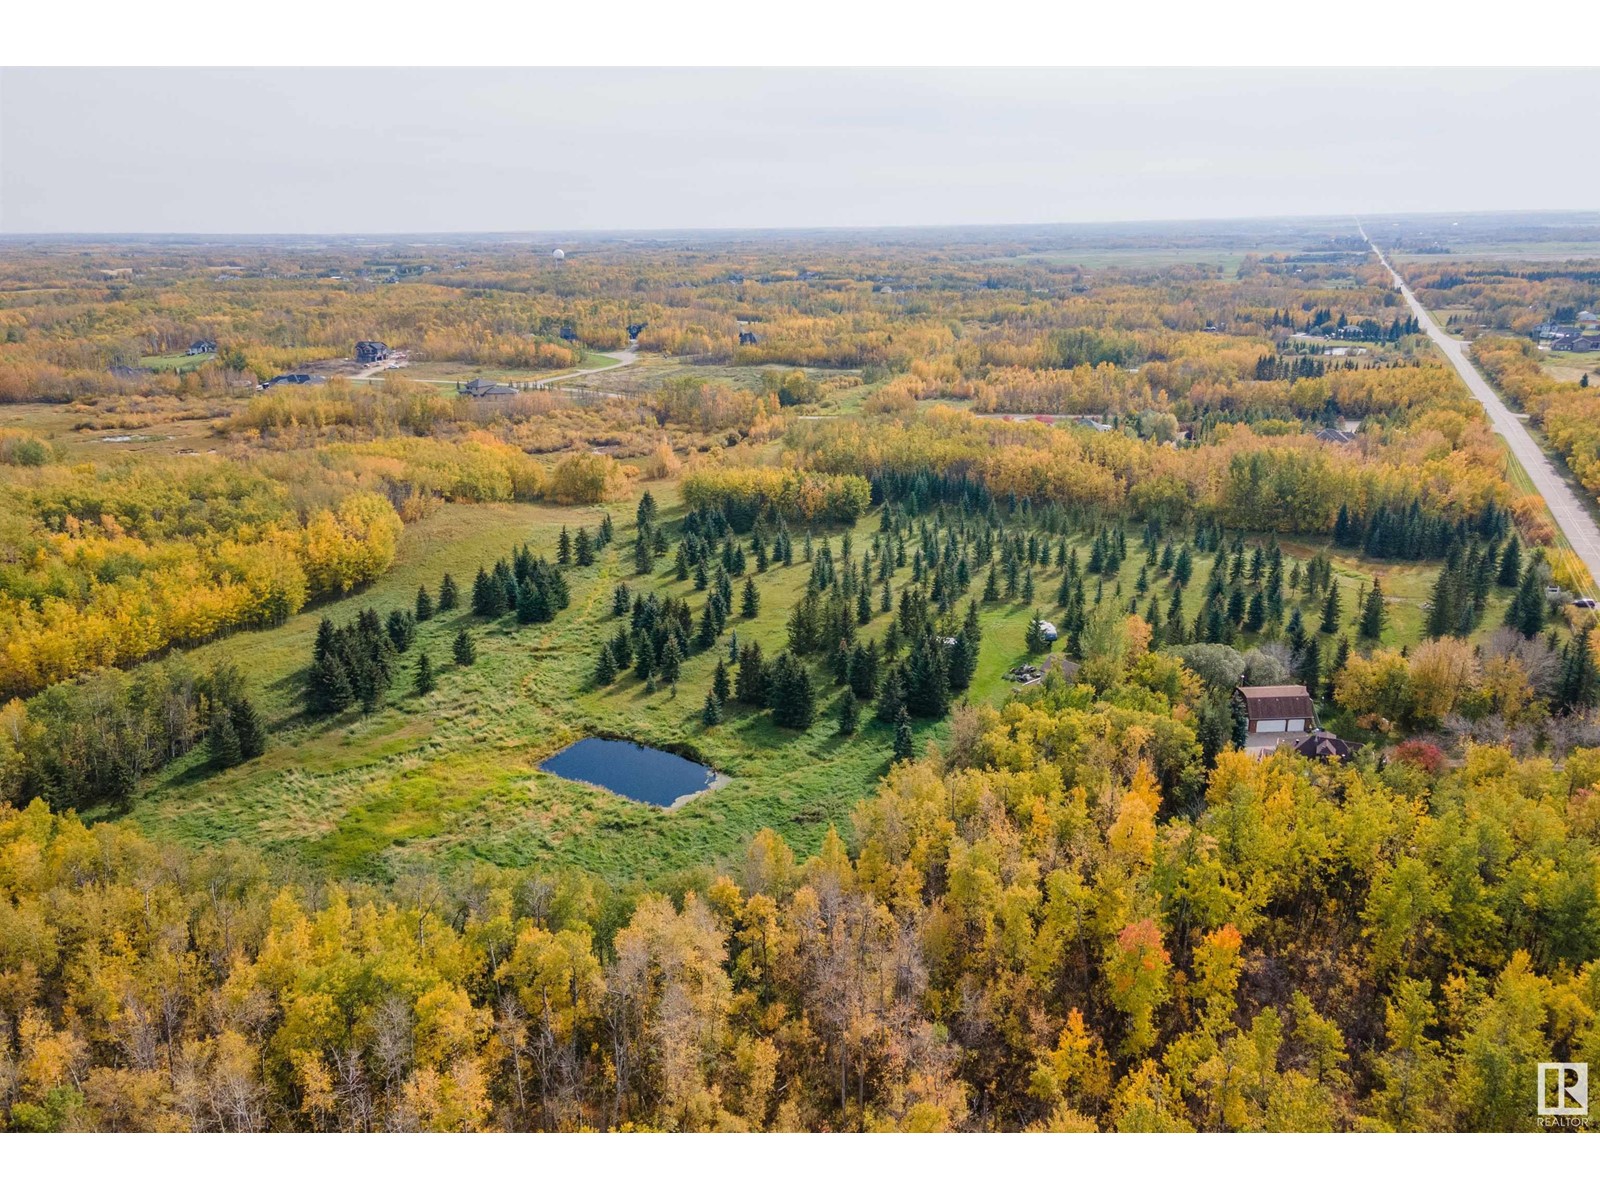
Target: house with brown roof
[
  {"x": 1273, "y": 715},
  {"x": 1323, "y": 745}
]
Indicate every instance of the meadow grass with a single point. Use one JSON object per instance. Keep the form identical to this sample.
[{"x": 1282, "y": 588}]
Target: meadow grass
[
  {"x": 453, "y": 776},
  {"x": 179, "y": 362}
]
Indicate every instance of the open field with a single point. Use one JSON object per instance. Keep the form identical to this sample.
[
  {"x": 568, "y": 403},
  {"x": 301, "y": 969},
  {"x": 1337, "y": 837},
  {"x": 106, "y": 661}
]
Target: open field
[
  {"x": 1569, "y": 368},
  {"x": 452, "y": 776},
  {"x": 175, "y": 362},
  {"x": 461, "y": 371},
  {"x": 88, "y": 434},
  {"x": 1529, "y": 251}
]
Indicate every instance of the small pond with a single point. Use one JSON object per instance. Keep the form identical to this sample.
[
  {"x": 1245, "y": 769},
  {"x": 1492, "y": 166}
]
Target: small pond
[{"x": 629, "y": 769}]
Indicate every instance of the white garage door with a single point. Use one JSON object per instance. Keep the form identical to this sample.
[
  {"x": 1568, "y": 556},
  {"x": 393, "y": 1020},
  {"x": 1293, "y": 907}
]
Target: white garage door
[{"x": 1272, "y": 726}]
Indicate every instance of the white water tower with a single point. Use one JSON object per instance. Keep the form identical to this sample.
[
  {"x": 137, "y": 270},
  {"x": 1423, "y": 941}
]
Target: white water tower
[{"x": 559, "y": 254}]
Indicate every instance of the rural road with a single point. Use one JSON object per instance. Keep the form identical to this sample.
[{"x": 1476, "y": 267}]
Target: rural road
[{"x": 1568, "y": 511}]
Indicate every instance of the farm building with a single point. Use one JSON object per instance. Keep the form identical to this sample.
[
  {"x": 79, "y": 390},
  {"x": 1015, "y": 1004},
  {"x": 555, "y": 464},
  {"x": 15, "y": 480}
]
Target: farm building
[
  {"x": 371, "y": 352},
  {"x": 202, "y": 346},
  {"x": 1335, "y": 437},
  {"x": 1282, "y": 713}
]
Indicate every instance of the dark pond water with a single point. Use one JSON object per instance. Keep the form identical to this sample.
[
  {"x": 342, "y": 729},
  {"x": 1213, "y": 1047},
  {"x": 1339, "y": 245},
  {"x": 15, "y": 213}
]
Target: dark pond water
[{"x": 629, "y": 769}]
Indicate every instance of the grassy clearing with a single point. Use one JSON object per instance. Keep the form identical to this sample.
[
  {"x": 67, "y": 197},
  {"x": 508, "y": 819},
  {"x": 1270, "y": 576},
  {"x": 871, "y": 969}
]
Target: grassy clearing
[
  {"x": 453, "y": 776},
  {"x": 179, "y": 362},
  {"x": 1570, "y": 368}
]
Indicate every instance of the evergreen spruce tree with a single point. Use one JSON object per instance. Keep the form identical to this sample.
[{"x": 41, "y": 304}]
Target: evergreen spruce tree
[
  {"x": 222, "y": 742},
  {"x": 644, "y": 659},
  {"x": 424, "y": 676},
  {"x": 329, "y": 689},
  {"x": 249, "y": 728},
  {"x": 605, "y": 670},
  {"x": 532, "y": 605},
  {"x": 904, "y": 749},
  {"x": 564, "y": 548},
  {"x": 750, "y": 602},
  {"x": 1373, "y": 616},
  {"x": 1311, "y": 664},
  {"x": 1255, "y": 617},
  {"x": 424, "y": 605},
  {"x": 891, "y": 697},
  {"x": 448, "y": 596},
  {"x": 1528, "y": 608},
  {"x": 792, "y": 695},
  {"x": 849, "y": 714},
  {"x": 583, "y": 548},
  {"x": 721, "y": 683},
  {"x": 671, "y": 664},
  {"x": 711, "y": 713},
  {"x": 927, "y": 691},
  {"x": 1510, "y": 565},
  {"x": 1035, "y": 639},
  {"x": 752, "y": 683},
  {"x": 462, "y": 649},
  {"x": 1331, "y": 609},
  {"x": 1341, "y": 658},
  {"x": 486, "y": 596},
  {"x": 402, "y": 630}
]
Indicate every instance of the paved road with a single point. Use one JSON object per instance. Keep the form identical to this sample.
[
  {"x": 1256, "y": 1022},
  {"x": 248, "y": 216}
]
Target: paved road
[{"x": 1565, "y": 507}]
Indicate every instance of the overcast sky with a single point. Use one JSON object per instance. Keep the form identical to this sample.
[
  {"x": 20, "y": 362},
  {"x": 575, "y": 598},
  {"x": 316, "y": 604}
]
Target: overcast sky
[{"x": 410, "y": 150}]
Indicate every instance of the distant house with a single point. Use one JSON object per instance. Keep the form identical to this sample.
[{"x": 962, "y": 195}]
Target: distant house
[
  {"x": 201, "y": 346},
  {"x": 1335, "y": 437},
  {"x": 371, "y": 352},
  {"x": 1323, "y": 745},
  {"x": 1095, "y": 423},
  {"x": 480, "y": 389},
  {"x": 1577, "y": 343},
  {"x": 295, "y": 378},
  {"x": 746, "y": 338},
  {"x": 1273, "y": 715}
]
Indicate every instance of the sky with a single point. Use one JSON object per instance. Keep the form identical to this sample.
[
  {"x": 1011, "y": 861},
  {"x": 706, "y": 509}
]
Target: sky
[{"x": 396, "y": 150}]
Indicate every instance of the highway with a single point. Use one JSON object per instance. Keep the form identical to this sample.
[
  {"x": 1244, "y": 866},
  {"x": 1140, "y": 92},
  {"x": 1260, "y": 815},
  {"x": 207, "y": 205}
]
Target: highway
[{"x": 1567, "y": 509}]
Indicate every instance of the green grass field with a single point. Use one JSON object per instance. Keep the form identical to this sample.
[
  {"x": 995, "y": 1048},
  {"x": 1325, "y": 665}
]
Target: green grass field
[
  {"x": 179, "y": 362},
  {"x": 452, "y": 777}
]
